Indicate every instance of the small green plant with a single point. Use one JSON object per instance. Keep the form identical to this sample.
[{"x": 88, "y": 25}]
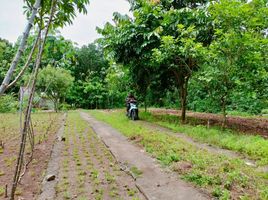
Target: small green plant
[
  {"x": 98, "y": 193},
  {"x": 95, "y": 174},
  {"x": 1, "y": 150},
  {"x": 135, "y": 171},
  {"x": 113, "y": 193},
  {"x": 109, "y": 178},
  {"x": 131, "y": 192},
  {"x": 2, "y": 191},
  {"x": 66, "y": 195},
  {"x": 9, "y": 161}
]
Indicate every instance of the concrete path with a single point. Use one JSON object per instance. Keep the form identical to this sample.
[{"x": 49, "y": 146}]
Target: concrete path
[
  {"x": 49, "y": 183},
  {"x": 154, "y": 183}
]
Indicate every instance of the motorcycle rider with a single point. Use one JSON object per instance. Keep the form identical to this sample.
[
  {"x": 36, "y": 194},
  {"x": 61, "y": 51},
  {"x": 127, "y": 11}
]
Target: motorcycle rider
[{"x": 130, "y": 98}]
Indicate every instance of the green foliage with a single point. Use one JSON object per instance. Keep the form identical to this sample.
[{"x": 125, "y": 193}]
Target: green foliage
[
  {"x": 189, "y": 54},
  {"x": 55, "y": 83},
  {"x": 65, "y": 11},
  {"x": 90, "y": 88},
  {"x": 234, "y": 75},
  {"x": 264, "y": 111},
  {"x": 65, "y": 107},
  {"x": 6, "y": 55},
  {"x": 8, "y": 103}
]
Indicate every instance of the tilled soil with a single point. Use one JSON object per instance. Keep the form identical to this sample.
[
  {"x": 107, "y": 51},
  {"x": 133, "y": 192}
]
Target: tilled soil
[
  {"x": 45, "y": 128},
  {"x": 88, "y": 170},
  {"x": 256, "y": 126}
]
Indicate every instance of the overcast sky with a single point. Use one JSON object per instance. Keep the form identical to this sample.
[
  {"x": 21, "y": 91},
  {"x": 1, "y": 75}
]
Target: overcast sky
[{"x": 12, "y": 20}]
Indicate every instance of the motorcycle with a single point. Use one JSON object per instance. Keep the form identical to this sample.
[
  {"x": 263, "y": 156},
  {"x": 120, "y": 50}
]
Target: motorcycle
[{"x": 133, "y": 112}]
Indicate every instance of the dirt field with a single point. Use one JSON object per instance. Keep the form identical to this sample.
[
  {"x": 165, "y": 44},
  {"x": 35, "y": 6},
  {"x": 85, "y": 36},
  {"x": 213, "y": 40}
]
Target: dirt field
[
  {"x": 45, "y": 126},
  {"x": 88, "y": 169},
  {"x": 257, "y": 125}
]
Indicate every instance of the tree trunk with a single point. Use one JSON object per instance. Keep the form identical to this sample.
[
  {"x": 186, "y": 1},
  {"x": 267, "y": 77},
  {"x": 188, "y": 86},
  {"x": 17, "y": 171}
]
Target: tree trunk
[
  {"x": 21, "y": 48},
  {"x": 27, "y": 62},
  {"x": 183, "y": 93},
  {"x": 145, "y": 105},
  {"x": 26, "y": 125},
  {"x": 145, "y": 101},
  {"x": 224, "y": 118},
  {"x": 55, "y": 105}
]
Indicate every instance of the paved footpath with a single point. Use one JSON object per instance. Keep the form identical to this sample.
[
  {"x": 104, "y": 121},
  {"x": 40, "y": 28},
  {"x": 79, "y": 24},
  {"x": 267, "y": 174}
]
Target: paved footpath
[{"x": 154, "y": 183}]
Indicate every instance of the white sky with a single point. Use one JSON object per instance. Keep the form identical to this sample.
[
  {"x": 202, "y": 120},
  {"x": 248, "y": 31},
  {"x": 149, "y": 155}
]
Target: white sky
[{"x": 83, "y": 30}]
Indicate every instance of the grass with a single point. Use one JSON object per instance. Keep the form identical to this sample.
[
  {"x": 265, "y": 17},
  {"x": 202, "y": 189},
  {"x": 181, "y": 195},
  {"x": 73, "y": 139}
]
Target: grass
[
  {"x": 253, "y": 147},
  {"x": 9, "y": 161},
  {"x": 135, "y": 171},
  {"x": 222, "y": 177},
  {"x": 2, "y": 191}
]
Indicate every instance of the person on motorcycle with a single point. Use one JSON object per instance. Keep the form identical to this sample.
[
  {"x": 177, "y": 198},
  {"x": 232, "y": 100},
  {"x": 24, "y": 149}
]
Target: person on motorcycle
[{"x": 130, "y": 98}]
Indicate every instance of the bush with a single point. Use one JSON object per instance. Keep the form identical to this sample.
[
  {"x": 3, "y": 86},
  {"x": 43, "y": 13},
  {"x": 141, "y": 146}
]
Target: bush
[
  {"x": 8, "y": 103},
  {"x": 65, "y": 106},
  {"x": 264, "y": 111}
]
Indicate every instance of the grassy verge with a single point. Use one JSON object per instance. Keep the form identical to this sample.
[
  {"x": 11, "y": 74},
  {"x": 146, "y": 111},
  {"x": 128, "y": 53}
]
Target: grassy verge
[
  {"x": 253, "y": 147},
  {"x": 222, "y": 177}
]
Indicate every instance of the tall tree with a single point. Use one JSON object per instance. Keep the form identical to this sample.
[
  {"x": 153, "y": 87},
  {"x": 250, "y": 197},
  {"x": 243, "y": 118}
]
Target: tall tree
[
  {"x": 21, "y": 48},
  {"x": 155, "y": 23},
  {"x": 55, "y": 83},
  {"x": 237, "y": 65}
]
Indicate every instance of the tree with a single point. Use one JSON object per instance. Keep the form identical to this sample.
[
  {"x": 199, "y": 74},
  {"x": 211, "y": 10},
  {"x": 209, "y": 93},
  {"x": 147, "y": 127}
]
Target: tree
[
  {"x": 89, "y": 70},
  {"x": 65, "y": 12},
  {"x": 55, "y": 83},
  {"x": 117, "y": 84},
  {"x": 181, "y": 55},
  {"x": 53, "y": 13},
  {"x": 21, "y": 48},
  {"x": 6, "y": 55},
  {"x": 129, "y": 43},
  {"x": 237, "y": 68},
  {"x": 155, "y": 23}
]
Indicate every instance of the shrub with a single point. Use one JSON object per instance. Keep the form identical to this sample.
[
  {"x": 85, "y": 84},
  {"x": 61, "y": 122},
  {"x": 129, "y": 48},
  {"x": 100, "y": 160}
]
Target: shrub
[
  {"x": 8, "y": 103},
  {"x": 264, "y": 111},
  {"x": 65, "y": 106}
]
